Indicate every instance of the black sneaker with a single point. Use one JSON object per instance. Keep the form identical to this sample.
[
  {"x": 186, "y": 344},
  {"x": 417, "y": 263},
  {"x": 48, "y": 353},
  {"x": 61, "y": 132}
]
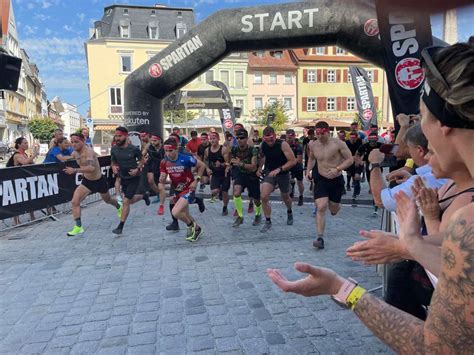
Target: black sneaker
[
  {"x": 300, "y": 200},
  {"x": 238, "y": 221},
  {"x": 200, "y": 203},
  {"x": 146, "y": 198},
  {"x": 266, "y": 227},
  {"x": 117, "y": 231},
  {"x": 319, "y": 243},
  {"x": 289, "y": 221},
  {"x": 225, "y": 212},
  {"x": 257, "y": 220},
  {"x": 173, "y": 226},
  {"x": 348, "y": 187}
]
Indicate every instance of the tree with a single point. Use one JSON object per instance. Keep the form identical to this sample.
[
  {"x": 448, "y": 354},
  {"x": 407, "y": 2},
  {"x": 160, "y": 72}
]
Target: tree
[
  {"x": 177, "y": 117},
  {"x": 42, "y": 128},
  {"x": 278, "y": 109}
]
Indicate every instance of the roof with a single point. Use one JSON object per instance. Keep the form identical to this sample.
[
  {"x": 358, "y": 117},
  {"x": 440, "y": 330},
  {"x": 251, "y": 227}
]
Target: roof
[
  {"x": 266, "y": 60},
  {"x": 305, "y": 55},
  {"x": 140, "y": 18},
  {"x": 201, "y": 122}
]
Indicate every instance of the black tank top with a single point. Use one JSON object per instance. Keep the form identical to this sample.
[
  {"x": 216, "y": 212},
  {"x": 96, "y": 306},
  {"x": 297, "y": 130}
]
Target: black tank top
[
  {"x": 274, "y": 156},
  {"x": 213, "y": 157}
]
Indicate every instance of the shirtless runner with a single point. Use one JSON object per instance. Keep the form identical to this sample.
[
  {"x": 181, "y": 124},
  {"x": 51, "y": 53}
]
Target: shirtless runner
[
  {"x": 92, "y": 181},
  {"x": 332, "y": 156}
]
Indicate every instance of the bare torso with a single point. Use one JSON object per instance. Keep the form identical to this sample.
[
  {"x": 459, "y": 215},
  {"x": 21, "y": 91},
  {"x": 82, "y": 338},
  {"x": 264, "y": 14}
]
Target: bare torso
[
  {"x": 328, "y": 155},
  {"x": 87, "y": 157}
]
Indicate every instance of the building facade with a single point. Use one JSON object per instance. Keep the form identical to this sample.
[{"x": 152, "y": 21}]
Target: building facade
[
  {"x": 71, "y": 118},
  {"x": 325, "y": 88},
  {"x": 272, "y": 77},
  {"x": 128, "y": 36}
]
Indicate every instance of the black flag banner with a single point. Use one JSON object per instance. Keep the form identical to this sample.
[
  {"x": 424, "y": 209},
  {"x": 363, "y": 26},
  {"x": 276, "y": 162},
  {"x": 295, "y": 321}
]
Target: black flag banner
[
  {"x": 35, "y": 187},
  {"x": 403, "y": 33},
  {"x": 226, "y": 114},
  {"x": 364, "y": 97}
]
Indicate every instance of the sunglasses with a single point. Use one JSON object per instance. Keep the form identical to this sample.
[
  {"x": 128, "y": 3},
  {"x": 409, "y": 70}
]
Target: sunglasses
[{"x": 427, "y": 58}]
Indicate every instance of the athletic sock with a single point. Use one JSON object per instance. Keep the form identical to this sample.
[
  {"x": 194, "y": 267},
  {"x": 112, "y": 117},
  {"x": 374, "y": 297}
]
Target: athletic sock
[
  {"x": 78, "y": 222},
  {"x": 171, "y": 209},
  {"x": 289, "y": 211},
  {"x": 121, "y": 224},
  {"x": 258, "y": 209},
  {"x": 238, "y": 206},
  {"x": 268, "y": 219}
]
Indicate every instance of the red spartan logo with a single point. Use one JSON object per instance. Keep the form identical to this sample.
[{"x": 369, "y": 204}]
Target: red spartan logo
[
  {"x": 409, "y": 73},
  {"x": 228, "y": 124},
  {"x": 371, "y": 27},
  {"x": 155, "y": 70},
  {"x": 367, "y": 114}
]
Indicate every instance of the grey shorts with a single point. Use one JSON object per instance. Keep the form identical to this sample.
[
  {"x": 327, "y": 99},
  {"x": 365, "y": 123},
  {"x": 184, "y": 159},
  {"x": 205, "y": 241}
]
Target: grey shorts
[{"x": 282, "y": 180}]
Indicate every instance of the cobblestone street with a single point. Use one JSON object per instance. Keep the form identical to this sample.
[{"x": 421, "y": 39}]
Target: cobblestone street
[{"x": 150, "y": 291}]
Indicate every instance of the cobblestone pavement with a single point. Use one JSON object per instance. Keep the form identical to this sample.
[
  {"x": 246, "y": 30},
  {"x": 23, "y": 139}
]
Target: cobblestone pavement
[{"x": 150, "y": 291}]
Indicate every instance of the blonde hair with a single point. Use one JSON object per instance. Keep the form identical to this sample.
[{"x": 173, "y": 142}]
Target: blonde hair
[{"x": 456, "y": 64}]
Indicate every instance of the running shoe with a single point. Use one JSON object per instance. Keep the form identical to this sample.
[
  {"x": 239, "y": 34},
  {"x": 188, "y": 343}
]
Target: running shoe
[
  {"x": 197, "y": 234},
  {"x": 200, "y": 203},
  {"x": 238, "y": 221},
  {"x": 250, "y": 209},
  {"x": 119, "y": 210},
  {"x": 289, "y": 220},
  {"x": 213, "y": 199},
  {"x": 348, "y": 187},
  {"x": 376, "y": 211},
  {"x": 319, "y": 243},
  {"x": 257, "y": 220},
  {"x": 75, "y": 231},
  {"x": 117, "y": 230},
  {"x": 146, "y": 198},
  {"x": 266, "y": 227},
  {"x": 225, "y": 212},
  {"x": 300, "y": 200},
  {"x": 201, "y": 188},
  {"x": 173, "y": 226},
  {"x": 191, "y": 231},
  {"x": 161, "y": 210},
  {"x": 315, "y": 211}
]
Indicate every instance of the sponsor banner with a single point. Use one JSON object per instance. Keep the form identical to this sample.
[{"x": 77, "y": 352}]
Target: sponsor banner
[
  {"x": 403, "y": 33},
  {"x": 364, "y": 97},
  {"x": 36, "y": 187},
  {"x": 226, "y": 114}
]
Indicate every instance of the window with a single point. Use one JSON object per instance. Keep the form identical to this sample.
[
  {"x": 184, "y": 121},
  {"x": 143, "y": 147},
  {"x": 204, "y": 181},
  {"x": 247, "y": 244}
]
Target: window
[
  {"x": 257, "y": 78},
  {"x": 126, "y": 63},
  {"x": 151, "y": 54},
  {"x": 180, "y": 14},
  {"x": 125, "y": 31},
  {"x": 273, "y": 78},
  {"x": 272, "y": 100},
  {"x": 180, "y": 29},
  {"x": 240, "y": 103},
  {"x": 225, "y": 77},
  {"x": 311, "y": 76},
  {"x": 259, "y": 54},
  {"x": 288, "y": 78},
  {"x": 340, "y": 51},
  {"x": 349, "y": 77},
  {"x": 287, "y": 103},
  {"x": 125, "y": 12},
  {"x": 311, "y": 104},
  {"x": 351, "y": 104},
  {"x": 258, "y": 103},
  {"x": 370, "y": 75},
  {"x": 209, "y": 76},
  {"x": 318, "y": 50},
  {"x": 153, "y": 32},
  {"x": 331, "y": 76},
  {"x": 116, "y": 100},
  {"x": 277, "y": 54},
  {"x": 239, "y": 79},
  {"x": 331, "y": 104}
]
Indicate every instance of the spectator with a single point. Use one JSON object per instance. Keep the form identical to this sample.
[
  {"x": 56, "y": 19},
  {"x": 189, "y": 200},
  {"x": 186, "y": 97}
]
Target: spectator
[
  {"x": 256, "y": 138},
  {"x": 193, "y": 143},
  {"x": 88, "y": 140},
  {"x": 182, "y": 140},
  {"x": 59, "y": 153},
  {"x": 355, "y": 127},
  {"x": 342, "y": 135},
  {"x": 57, "y": 135}
]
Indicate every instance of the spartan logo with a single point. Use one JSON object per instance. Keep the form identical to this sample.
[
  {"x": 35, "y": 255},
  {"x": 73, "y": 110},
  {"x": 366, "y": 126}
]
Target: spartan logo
[{"x": 28, "y": 189}]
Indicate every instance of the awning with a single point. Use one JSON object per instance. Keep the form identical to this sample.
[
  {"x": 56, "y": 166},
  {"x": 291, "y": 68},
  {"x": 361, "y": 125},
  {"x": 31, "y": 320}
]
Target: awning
[{"x": 105, "y": 127}]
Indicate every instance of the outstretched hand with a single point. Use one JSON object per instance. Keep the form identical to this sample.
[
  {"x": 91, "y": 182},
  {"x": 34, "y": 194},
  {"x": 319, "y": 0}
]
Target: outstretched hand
[
  {"x": 409, "y": 219},
  {"x": 319, "y": 281}
]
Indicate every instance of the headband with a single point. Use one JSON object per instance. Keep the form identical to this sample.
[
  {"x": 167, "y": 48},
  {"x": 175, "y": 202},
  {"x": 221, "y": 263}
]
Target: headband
[
  {"x": 156, "y": 136},
  {"x": 143, "y": 134},
  {"x": 321, "y": 130},
  {"x": 170, "y": 146},
  {"x": 121, "y": 133}
]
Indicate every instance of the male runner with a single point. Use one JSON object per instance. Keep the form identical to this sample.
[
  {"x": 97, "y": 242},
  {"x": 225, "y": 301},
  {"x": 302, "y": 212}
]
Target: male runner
[
  {"x": 155, "y": 154},
  {"x": 200, "y": 155},
  {"x": 178, "y": 166},
  {"x": 332, "y": 157},
  {"x": 127, "y": 160},
  {"x": 354, "y": 172},
  {"x": 307, "y": 141},
  {"x": 92, "y": 181},
  {"x": 296, "y": 171},
  {"x": 216, "y": 157},
  {"x": 276, "y": 158},
  {"x": 244, "y": 164}
]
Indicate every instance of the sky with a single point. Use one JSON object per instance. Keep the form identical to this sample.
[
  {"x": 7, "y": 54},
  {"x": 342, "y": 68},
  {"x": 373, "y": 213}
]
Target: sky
[{"x": 53, "y": 33}]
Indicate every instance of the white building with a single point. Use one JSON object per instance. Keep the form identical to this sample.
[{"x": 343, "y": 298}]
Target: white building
[{"x": 71, "y": 118}]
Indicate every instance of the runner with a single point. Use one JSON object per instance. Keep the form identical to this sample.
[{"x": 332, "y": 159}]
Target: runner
[
  {"x": 193, "y": 143},
  {"x": 297, "y": 171},
  {"x": 217, "y": 159},
  {"x": 307, "y": 141},
  {"x": 92, "y": 181},
  {"x": 277, "y": 158},
  {"x": 178, "y": 166},
  {"x": 354, "y": 172},
  {"x": 127, "y": 160},
  {"x": 155, "y": 154},
  {"x": 200, "y": 155},
  {"x": 244, "y": 163},
  {"x": 332, "y": 157}
]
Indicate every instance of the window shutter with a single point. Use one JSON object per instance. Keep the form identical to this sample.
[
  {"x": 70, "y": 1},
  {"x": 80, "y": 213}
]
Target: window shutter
[
  {"x": 305, "y": 75},
  {"x": 324, "y": 104},
  {"x": 325, "y": 75},
  {"x": 376, "y": 75},
  {"x": 376, "y": 102},
  {"x": 345, "y": 76},
  {"x": 338, "y": 76},
  {"x": 344, "y": 104},
  {"x": 305, "y": 104},
  {"x": 338, "y": 103},
  {"x": 326, "y": 50},
  {"x": 319, "y": 76}
]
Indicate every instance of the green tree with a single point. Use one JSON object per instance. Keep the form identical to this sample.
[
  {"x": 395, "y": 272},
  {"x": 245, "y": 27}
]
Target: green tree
[
  {"x": 278, "y": 109},
  {"x": 177, "y": 117},
  {"x": 42, "y": 128}
]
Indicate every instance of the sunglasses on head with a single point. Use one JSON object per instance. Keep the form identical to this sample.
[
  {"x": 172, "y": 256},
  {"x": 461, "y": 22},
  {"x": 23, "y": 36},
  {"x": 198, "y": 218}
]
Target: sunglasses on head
[{"x": 427, "y": 58}]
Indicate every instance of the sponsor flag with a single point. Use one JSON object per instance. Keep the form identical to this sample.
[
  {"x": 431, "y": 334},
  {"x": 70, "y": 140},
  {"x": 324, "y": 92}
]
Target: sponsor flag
[
  {"x": 227, "y": 113},
  {"x": 364, "y": 97},
  {"x": 403, "y": 33}
]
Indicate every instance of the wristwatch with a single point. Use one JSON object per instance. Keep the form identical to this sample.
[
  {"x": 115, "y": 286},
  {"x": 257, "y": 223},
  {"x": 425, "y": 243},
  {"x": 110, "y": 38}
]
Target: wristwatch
[
  {"x": 341, "y": 296},
  {"x": 374, "y": 165}
]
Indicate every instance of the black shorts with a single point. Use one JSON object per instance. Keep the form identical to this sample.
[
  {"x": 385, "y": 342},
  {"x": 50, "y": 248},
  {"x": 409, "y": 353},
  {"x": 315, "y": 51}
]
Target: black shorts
[
  {"x": 130, "y": 186},
  {"x": 249, "y": 182},
  {"x": 283, "y": 181},
  {"x": 220, "y": 181},
  {"x": 297, "y": 172},
  {"x": 99, "y": 185},
  {"x": 331, "y": 188},
  {"x": 355, "y": 170}
]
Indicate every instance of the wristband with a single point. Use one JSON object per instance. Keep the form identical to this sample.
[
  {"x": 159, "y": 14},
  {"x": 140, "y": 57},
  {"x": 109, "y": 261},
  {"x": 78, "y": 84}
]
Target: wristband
[
  {"x": 198, "y": 178},
  {"x": 374, "y": 165},
  {"x": 355, "y": 296}
]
